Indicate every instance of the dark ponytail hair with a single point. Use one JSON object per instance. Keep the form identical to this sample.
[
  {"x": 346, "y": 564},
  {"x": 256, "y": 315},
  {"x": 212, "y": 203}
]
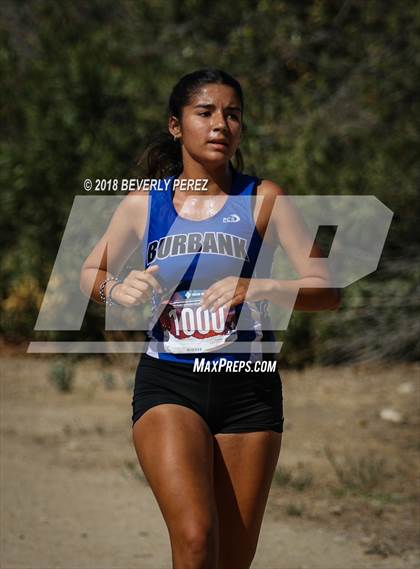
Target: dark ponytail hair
[{"x": 163, "y": 156}]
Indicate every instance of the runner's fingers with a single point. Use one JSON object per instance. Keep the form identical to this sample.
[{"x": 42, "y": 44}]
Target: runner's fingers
[
  {"x": 227, "y": 286},
  {"x": 140, "y": 286},
  {"x": 141, "y": 293},
  {"x": 238, "y": 299},
  {"x": 126, "y": 299},
  {"x": 145, "y": 276},
  {"x": 220, "y": 299},
  {"x": 210, "y": 297},
  {"x": 218, "y": 287},
  {"x": 238, "y": 292},
  {"x": 149, "y": 280},
  {"x": 215, "y": 291},
  {"x": 149, "y": 271},
  {"x": 229, "y": 301}
]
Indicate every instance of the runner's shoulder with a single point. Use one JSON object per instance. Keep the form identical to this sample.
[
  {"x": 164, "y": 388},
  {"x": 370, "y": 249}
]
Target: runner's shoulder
[
  {"x": 133, "y": 211},
  {"x": 268, "y": 188},
  {"x": 136, "y": 202}
]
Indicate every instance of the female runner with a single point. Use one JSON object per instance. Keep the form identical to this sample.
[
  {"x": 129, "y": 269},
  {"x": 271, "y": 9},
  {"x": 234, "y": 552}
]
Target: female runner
[{"x": 208, "y": 441}]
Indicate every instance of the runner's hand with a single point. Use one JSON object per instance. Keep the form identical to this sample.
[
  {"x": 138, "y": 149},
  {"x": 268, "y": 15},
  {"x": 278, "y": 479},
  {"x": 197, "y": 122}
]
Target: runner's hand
[
  {"x": 137, "y": 287},
  {"x": 232, "y": 291}
]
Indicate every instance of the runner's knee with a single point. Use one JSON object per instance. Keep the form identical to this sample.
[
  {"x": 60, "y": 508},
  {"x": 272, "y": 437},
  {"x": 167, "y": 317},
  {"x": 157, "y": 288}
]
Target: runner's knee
[{"x": 195, "y": 543}]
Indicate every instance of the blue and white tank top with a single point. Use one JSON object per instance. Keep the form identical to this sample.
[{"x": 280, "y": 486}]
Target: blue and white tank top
[{"x": 192, "y": 255}]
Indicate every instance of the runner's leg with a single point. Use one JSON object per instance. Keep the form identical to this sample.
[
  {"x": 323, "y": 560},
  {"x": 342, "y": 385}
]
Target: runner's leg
[
  {"x": 244, "y": 468},
  {"x": 175, "y": 450}
]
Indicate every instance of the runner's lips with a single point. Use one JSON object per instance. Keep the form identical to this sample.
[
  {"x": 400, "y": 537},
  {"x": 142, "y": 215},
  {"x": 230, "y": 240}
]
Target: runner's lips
[
  {"x": 219, "y": 145},
  {"x": 219, "y": 141}
]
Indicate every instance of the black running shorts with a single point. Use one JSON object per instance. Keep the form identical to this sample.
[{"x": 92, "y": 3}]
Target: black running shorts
[{"x": 228, "y": 402}]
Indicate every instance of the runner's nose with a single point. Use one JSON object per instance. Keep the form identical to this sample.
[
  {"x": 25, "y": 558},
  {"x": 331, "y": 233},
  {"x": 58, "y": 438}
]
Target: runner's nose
[{"x": 220, "y": 123}]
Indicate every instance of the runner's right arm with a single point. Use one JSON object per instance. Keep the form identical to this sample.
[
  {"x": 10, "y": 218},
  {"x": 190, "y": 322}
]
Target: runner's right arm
[{"x": 121, "y": 238}]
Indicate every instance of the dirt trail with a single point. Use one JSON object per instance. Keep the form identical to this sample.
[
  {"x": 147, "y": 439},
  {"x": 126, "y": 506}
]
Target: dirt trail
[{"x": 72, "y": 495}]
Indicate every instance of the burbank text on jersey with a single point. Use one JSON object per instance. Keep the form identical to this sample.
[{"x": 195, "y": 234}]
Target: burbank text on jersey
[
  {"x": 194, "y": 254},
  {"x": 185, "y": 243}
]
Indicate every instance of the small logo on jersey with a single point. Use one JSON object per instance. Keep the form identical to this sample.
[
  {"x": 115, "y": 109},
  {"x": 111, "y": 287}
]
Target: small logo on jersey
[
  {"x": 188, "y": 294},
  {"x": 232, "y": 218}
]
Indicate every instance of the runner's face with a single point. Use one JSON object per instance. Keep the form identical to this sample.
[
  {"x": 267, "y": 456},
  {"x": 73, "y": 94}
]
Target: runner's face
[{"x": 211, "y": 125}]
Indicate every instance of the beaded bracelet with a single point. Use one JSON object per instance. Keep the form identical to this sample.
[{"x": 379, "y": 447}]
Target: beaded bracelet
[
  {"x": 118, "y": 281},
  {"x": 107, "y": 299}
]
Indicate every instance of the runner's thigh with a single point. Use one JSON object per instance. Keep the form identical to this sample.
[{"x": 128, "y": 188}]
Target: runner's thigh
[{"x": 175, "y": 450}]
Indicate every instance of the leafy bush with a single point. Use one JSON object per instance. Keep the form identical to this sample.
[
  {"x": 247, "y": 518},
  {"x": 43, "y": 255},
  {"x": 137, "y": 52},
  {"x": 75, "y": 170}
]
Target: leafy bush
[{"x": 62, "y": 375}]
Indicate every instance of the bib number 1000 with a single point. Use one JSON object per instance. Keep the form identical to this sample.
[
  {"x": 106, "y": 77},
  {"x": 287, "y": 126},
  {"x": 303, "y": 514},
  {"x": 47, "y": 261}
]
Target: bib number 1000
[{"x": 200, "y": 320}]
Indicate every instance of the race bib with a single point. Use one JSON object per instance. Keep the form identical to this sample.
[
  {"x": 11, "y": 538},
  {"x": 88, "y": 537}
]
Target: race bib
[{"x": 190, "y": 328}]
